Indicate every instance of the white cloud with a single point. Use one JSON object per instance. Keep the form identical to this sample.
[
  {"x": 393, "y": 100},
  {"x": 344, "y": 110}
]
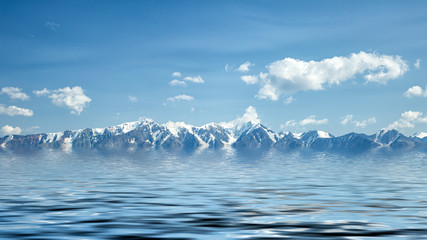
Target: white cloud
[
  {"x": 245, "y": 67},
  {"x": 290, "y": 75},
  {"x": 73, "y": 98},
  {"x": 14, "y": 110},
  {"x": 176, "y": 74},
  {"x": 133, "y": 99},
  {"x": 14, "y": 93},
  {"x": 196, "y": 79},
  {"x": 289, "y": 100},
  {"x": 408, "y": 120},
  {"x": 290, "y": 123},
  {"x": 311, "y": 120},
  {"x": 228, "y": 68},
  {"x": 267, "y": 90},
  {"x": 9, "y": 130},
  {"x": 415, "y": 91},
  {"x": 53, "y": 26},
  {"x": 349, "y": 119},
  {"x": 249, "y": 79},
  {"x": 250, "y": 116},
  {"x": 366, "y": 122},
  {"x": 42, "y": 92},
  {"x": 417, "y": 63},
  {"x": 181, "y": 97},
  {"x": 177, "y": 83}
]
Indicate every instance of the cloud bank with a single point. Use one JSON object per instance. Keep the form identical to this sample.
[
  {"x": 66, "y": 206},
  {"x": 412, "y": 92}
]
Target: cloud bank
[{"x": 291, "y": 75}]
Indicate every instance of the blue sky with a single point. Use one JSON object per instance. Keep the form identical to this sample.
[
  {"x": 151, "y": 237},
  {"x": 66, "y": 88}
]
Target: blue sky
[{"x": 328, "y": 65}]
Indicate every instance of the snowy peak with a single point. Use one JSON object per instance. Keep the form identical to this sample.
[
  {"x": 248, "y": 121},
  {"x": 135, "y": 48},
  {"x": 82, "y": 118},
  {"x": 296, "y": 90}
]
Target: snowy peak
[
  {"x": 311, "y": 136},
  {"x": 243, "y": 132},
  {"x": 387, "y": 136},
  {"x": 420, "y": 135}
]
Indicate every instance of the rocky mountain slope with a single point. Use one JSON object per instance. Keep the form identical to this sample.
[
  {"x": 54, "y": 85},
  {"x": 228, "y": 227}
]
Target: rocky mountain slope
[{"x": 244, "y": 132}]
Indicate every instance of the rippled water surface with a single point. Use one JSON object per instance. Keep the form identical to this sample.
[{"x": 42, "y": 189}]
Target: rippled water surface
[{"x": 220, "y": 194}]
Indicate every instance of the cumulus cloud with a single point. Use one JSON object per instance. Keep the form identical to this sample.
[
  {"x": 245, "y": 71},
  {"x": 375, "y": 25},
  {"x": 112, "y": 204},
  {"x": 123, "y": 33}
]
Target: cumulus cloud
[
  {"x": 249, "y": 79},
  {"x": 415, "y": 91},
  {"x": 176, "y": 82},
  {"x": 408, "y": 119},
  {"x": 133, "y": 99},
  {"x": 245, "y": 67},
  {"x": 348, "y": 119},
  {"x": 250, "y": 115},
  {"x": 9, "y": 130},
  {"x": 181, "y": 97},
  {"x": 176, "y": 74},
  {"x": 311, "y": 120},
  {"x": 73, "y": 98},
  {"x": 53, "y": 26},
  {"x": 197, "y": 79},
  {"x": 290, "y": 75},
  {"x": 15, "y": 111},
  {"x": 14, "y": 93},
  {"x": 42, "y": 92},
  {"x": 417, "y": 63}
]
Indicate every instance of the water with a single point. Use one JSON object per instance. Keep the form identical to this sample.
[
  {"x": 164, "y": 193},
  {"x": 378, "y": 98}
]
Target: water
[{"x": 221, "y": 194}]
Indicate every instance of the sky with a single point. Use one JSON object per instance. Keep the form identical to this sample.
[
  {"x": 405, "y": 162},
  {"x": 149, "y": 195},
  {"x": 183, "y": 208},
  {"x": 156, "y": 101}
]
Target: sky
[{"x": 335, "y": 66}]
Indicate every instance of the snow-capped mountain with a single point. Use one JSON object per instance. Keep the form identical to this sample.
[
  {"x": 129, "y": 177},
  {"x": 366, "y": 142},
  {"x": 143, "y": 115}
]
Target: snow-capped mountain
[{"x": 244, "y": 132}]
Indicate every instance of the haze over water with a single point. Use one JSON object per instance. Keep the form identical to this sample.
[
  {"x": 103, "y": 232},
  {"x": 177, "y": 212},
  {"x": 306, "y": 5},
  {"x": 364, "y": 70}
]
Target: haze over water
[{"x": 213, "y": 194}]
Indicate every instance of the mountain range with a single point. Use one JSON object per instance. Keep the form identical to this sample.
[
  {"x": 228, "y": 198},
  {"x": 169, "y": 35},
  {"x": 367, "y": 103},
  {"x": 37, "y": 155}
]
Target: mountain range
[{"x": 245, "y": 132}]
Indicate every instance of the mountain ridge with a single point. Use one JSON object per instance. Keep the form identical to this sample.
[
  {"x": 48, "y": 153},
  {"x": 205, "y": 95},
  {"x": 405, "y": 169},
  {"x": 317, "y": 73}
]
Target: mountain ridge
[{"x": 244, "y": 132}]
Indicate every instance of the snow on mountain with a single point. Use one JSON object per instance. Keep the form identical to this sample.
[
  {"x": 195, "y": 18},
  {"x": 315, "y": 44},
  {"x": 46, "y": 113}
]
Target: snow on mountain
[
  {"x": 323, "y": 134},
  {"x": 420, "y": 135},
  {"x": 243, "y": 132},
  {"x": 176, "y": 127}
]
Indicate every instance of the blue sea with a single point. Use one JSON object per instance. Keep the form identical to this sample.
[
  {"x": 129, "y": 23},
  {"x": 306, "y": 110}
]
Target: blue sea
[{"x": 213, "y": 194}]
